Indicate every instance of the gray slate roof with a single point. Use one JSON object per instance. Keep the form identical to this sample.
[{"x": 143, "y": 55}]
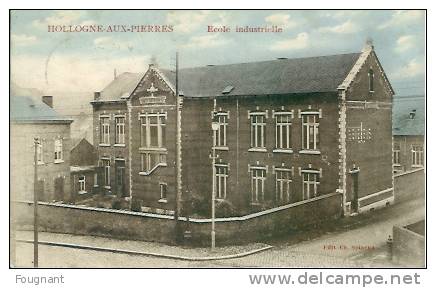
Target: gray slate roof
[
  {"x": 402, "y": 124},
  {"x": 284, "y": 76},
  {"x": 123, "y": 84},
  {"x": 26, "y": 109}
]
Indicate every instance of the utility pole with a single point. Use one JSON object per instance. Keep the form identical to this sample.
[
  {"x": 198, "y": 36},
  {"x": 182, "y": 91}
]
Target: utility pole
[
  {"x": 35, "y": 206},
  {"x": 178, "y": 155},
  {"x": 215, "y": 127}
]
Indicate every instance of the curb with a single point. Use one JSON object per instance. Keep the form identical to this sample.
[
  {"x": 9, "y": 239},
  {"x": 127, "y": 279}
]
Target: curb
[{"x": 158, "y": 255}]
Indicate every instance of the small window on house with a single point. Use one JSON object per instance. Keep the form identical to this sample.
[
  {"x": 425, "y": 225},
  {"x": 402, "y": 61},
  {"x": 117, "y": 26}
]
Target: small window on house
[
  {"x": 104, "y": 130},
  {"x": 371, "y": 80},
  {"x": 257, "y": 131},
  {"x": 417, "y": 156},
  {"x": 163, "y": 191},
  {"x": 310, "y": 133},
  {"x": 119, "y": 130},
  {"x": 221, "y": 133},
  {"x": 258, "y": 177},
  {"x": 397, "y": 160},
  {"x": 310, "y": 183},
  {"x": 283, "y": 130},
  {"x": 82, "y": 184},
  {"x": 283, "y": 185},
  {"x": 58, "y": 151},
  {"x": 39, "y": 152},
  {"x": 95, "y": 179},
  {"x": 221, "y": 175},
  {"x": 107, "y": 172}
]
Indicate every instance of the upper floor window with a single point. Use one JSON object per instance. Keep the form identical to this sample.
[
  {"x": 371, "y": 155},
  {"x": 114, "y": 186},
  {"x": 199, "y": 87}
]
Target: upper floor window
[
  {"x": 221, "y": 175},
  {"x": 417, "y": 156},
  {"x": 221, "y": 134},
  {"x": 397, "y": 154},
  {"x": 371, "y": 80},
  {"x": 104, "y": 130},
  {"x": 283, "y": 130},
  {"x": 119, "y": 129},
  {"x": 310, "y": 134},
  {"x": 258, "y": 123},
  {"x": 258, "y": 177},
  {"x": 58, "y": 150},
  {"x": 153, "y": 130},
  {"x": 283, "y": 184},
  {"x": 310, "y": 183},
  {"x": 39, "y": 152}
]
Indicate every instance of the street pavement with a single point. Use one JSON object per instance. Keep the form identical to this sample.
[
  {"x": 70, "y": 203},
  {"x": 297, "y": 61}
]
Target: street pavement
[{"x": 355, "y": 242}]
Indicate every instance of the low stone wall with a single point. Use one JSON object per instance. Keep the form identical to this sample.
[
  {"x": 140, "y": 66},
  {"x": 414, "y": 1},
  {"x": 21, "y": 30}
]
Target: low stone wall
[
  {"x": 408, "y": 248},
  {"x": 61, "y": 218},
  {"x": 409, "y": 185}
]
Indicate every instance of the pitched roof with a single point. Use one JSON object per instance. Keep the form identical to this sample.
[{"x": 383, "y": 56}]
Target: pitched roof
[
  {"x": 26, "y": 109},
  {"x": 402, "y": 122},
  {"x": 122, "y": 86},
  {"x": 283, "y": 76}
]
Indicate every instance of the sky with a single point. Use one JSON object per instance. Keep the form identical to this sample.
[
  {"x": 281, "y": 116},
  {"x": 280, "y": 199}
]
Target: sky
[{"x": 85, "y": 61}]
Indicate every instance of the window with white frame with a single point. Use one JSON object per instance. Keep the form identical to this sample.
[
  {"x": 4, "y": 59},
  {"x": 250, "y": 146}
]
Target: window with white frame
[
  {"x": 40, "y": 152},
  {"x": 417, "y": 155},
  {"x": 95, "y": 179},
  {"x": 310, "y": 183},
  {"x": 371, "y": 80},
  {"x": 283, "y": 130},
  {"x": 151, "y": 160},
  {"x": 258, "y": 123},
  {"x": 397, "y": 159},
  {"x": 221, "y": 175},
  {"x": 163, "y": 191},
  {"x": 283, "y": 184},
  {"x": 119, "y": 129},
  {"x": 106, "y": 163},
  {"x": 258, "y": 176},
  {"x": 153, "y": 129},
  {"x": 104, "y": 130},
  {"x": 82, "y": 183},
  {"x": 221, "y": 134},
  {"x": 310, "y": 137},
  {"x": 58, "y": 150}
]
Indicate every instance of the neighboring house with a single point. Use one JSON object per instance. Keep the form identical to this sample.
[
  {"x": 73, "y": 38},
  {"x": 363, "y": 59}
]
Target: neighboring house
[
  {"x": 84, "y": 174},
  {"x": 30, "y": 120},
  {"x": 289, "y": 130},
  {"x": 409, "y": 133}
]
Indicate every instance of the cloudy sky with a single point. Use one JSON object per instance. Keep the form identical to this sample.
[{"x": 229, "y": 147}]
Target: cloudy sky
[{"x": 86, "y": 61}]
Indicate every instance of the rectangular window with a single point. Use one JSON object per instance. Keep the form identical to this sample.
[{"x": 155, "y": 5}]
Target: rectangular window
[
  {"x": 310, "y": 184},
  {"x": 417, "y": 156},
  {"x": 119, "y": 130},
  {"x": 58, "y": 151},
  {"x": 258, "y": 123},
  {"x": 221, "y": 174},
  {"x": 310, "y": 133},
  {"x": 104, "y": 130},
  {"x": 95, "y": 179},
  {"x": 283, "y": 185},
  {"x": 258, "y": 176},
  {"x": 150, "y": 161},
  {"x": 107, "y": 172},
  {"x": 82, "y": 183},
  {"x": 283, "y": 130},
  {"x": 39, "y": 152},
  {"x": 221, "y": 133},
  {"x": 153, "y": 130},
  {"x": 397, "y": 154},
  {"x": 163, "y": 191}
]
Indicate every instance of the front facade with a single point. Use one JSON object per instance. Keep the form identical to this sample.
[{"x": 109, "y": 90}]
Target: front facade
[
  {"x": 33, "y": 120},
  {"x": 286, "y": 131}
]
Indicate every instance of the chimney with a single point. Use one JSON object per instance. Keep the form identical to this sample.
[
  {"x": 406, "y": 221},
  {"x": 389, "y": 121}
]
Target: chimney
[
  {"x": 412, "y": 114},
  {"x": 369, "y": 45},
  {"x": 48, "y": 100},
  {"x": 96, "y": 95}
]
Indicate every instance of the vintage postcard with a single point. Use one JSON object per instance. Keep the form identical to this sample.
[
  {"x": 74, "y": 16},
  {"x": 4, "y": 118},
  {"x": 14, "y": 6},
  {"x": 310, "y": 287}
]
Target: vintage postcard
[{"x": 217, "y": 139}]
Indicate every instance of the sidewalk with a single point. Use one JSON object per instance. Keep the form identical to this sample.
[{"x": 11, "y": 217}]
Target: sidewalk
[{"x": 142, "y": 248}]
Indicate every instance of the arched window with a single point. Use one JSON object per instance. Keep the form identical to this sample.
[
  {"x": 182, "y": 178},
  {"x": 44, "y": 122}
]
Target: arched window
[{"x": 371, "y": 80}]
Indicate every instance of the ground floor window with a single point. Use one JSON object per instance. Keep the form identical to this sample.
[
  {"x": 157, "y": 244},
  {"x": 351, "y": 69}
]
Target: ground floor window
[
  {"x": 82, "y": 184},
  {"x": 150, "y": 161},
  {"x": 283, "y": 184},
  {"x": 221, "y": 175},
  {"x": 310, "y": 183},
  {"x": 106, "y": 163},
  {"x": 417, "y": 155},
  {"x": 397, "y": 154},
  {"x": 163, "y": 191},
  {"x": 258, "y": 176}
]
